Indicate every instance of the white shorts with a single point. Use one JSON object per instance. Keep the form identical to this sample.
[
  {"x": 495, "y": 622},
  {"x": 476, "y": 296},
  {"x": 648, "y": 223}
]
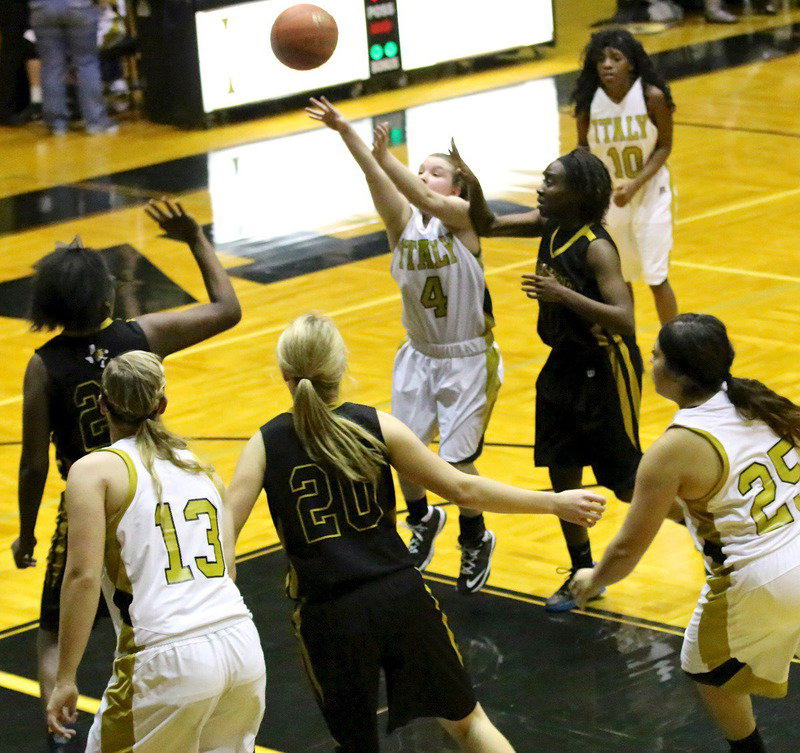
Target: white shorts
[
  {"x": 744, "y": 640},
  {"x": 642, "y": 231},
  {"x": 453, "y": 395},
  {"x": 204, "y": 693}
]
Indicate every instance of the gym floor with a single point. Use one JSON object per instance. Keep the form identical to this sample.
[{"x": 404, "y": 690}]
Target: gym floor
[{"x": 294, "y": 225}]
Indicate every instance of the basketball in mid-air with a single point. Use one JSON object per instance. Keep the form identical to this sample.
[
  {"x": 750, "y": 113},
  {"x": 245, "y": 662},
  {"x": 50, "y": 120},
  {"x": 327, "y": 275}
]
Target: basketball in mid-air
[{"x": 304, "y": 37}]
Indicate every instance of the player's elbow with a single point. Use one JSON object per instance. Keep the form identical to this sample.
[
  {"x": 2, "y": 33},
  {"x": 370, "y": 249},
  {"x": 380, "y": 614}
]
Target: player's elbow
[
  {"x": 465, "y": 492},
  {"x": 33, "y": 468},
  {"x": 230, "y": 314}
]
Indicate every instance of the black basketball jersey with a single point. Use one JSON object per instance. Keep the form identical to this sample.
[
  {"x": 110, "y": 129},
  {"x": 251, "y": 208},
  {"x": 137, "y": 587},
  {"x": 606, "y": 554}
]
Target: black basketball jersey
[
  {"x": 74, "y": 368},
  {"x": 564, "y": 257},
  {"x": 336, "y": 533}
]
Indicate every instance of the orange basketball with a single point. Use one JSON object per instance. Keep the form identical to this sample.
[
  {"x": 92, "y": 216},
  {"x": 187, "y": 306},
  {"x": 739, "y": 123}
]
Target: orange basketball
[{"x": 304, "y": 37}]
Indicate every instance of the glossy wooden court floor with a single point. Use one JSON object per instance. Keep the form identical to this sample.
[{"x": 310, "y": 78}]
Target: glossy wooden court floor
[{"x": 295, "y": 227}]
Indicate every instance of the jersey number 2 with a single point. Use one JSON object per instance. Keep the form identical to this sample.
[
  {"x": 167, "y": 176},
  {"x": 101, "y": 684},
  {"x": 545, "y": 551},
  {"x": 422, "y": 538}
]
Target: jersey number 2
[
  {"x": 325, "y": 504},
  {"x": 761, "y": 473},
  {"x": 177, "y": 572}
]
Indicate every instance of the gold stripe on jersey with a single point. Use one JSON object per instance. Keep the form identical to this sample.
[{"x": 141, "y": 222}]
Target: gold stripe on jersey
[
  {"x": 445, "y": 623},
  {"x": 712, "y": 632},
  {"x": 723, "y": 456},
  {"x": 492, "y": 382},
  {"x": 627, "y": 382},
  {"x": 116, "y": 722},
  {"x": 584, "y": 231},
  {"x": 113, "y": 560},
  {"x": 297, "y": 620},
  {"x": 57, "y": 554}
]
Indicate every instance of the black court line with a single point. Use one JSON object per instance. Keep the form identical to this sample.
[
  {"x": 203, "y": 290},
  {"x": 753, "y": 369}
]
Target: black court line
[
  {"x": 742, "y": 129},
  {"x": 124, "y": 189}
]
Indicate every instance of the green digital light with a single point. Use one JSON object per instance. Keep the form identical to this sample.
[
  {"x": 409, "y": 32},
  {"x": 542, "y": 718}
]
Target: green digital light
[
  {"x": 390, "y": 48},
  {"x": 396, "y": 136},
  {"x": 376, "y": 51}
]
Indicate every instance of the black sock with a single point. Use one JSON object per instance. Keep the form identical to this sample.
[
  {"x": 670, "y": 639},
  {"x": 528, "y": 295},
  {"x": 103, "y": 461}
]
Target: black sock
[
  {"x": 750, "y": 744},
  {"x": 417, "y": 509},
  {"x": 581, "y": 555},
  {"x": 472, "y": 530}
]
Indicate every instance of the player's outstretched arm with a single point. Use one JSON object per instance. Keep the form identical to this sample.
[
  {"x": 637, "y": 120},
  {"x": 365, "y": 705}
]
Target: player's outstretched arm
[
  {"x": 657, "y": 484},
  {"x": 415, "y": 462},
  {"x": 453, "y": 211},
  {"x": 34, "y": 461},
  {"x": 247, "y": 482},
  {"x": 390, "y": 204},
  {"x": 88, "y": 485},
  {"x": 485, "y": 222},
  {"x": 170, "y": 331}
]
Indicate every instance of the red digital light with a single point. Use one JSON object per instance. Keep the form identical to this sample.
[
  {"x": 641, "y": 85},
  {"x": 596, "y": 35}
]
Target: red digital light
[{"x": 381, "y": 27}]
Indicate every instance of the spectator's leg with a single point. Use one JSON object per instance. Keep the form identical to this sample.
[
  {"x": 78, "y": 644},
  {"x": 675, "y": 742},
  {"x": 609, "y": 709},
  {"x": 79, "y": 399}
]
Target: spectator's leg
[
  {"x": 82, "y": 36},
  {"x": 51, "y": 44}
]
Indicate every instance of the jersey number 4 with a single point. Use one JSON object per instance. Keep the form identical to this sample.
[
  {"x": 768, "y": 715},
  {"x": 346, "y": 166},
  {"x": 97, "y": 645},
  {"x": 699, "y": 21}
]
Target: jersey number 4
[
  {"x": 433, "y": 296},
  {"x": 758, "y": 472},
  {"x": 177, "y": 572},
  {"x": 324, "y": 505}
]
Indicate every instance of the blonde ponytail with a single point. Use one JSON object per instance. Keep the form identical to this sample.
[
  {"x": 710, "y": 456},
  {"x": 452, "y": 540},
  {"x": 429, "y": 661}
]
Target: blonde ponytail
[
  {"x": 133, "y": 387},
  {"x": 312, "y": 353}
]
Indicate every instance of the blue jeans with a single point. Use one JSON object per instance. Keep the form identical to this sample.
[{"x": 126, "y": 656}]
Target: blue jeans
[{"x": 67, "y": 30}]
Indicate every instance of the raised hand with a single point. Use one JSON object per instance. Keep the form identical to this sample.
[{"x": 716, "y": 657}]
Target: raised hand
[
  {"x": 173, "y": 220},
  {"x": 326, "y": 113},
  {"x": 463, "y": 172},
  {"x": 580, "y": 507},
  {"x": 380, "y": 141}
]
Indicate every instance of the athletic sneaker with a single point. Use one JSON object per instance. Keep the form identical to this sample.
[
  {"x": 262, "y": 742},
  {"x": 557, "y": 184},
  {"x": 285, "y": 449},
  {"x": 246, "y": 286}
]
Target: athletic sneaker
[
  {"x": 562, "y": 600},
  {"x": 423, "y": 535},
  {"x": 476, "y": 564}
]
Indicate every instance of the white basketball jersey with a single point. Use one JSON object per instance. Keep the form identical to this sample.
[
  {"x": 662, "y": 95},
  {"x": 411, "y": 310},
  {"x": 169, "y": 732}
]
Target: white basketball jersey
[
  {"x": 446, "y": 305},
  {"x": 165, "y": 576},
  {"x": 621, "y": 133},
  {"x": 754, "y": 512}
]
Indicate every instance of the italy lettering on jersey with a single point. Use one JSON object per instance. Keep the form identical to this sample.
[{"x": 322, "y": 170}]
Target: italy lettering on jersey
[
  {"x": 754, "y": 511},
  {"x": 164, "y": 572},
  {"x": 621, "y": 133},
  {"x": 447, "y": 310}
]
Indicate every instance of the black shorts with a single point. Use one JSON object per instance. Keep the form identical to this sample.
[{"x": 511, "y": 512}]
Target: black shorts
[
  {"x": 587, "y": 411},
  {"x": 50, "y": 610},
  {"x": 392, "y": 623}
]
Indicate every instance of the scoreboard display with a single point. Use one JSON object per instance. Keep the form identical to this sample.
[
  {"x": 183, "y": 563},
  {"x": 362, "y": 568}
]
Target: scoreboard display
[{"x": 221, "y": 57}]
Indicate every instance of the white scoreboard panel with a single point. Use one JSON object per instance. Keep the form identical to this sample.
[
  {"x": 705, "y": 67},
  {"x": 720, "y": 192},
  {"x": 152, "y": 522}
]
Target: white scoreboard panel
[
  {"x": 435, "y": 31},
  {"x": 238, "y": 67}
]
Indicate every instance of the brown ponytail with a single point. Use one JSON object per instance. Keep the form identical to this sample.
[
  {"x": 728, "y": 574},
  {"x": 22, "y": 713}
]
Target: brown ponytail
[
  {"x": 754, "y": 400},
  {"x": 312, "y": 352}
]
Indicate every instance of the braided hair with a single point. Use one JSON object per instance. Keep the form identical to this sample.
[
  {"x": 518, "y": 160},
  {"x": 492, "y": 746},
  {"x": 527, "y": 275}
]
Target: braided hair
[
  {"x": 588, "y": 177},
  {"x": 620, "y": 39}
]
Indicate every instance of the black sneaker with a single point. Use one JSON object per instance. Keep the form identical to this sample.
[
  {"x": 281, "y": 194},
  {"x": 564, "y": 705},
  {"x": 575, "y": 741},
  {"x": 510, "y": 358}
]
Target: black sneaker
[
  {"x": 423, "y": 535},
  {"x": 476, "y": 564},
  {"x": 562, "y": 600}
]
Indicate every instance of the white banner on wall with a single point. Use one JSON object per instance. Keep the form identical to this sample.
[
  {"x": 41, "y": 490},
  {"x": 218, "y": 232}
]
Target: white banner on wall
[{"x": 433, "y": 31}]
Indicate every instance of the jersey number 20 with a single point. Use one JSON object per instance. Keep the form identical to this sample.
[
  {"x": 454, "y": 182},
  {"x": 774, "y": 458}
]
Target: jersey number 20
[
  {"x": 324, "y": 505},
  {"x": 177, "y": 572}
]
